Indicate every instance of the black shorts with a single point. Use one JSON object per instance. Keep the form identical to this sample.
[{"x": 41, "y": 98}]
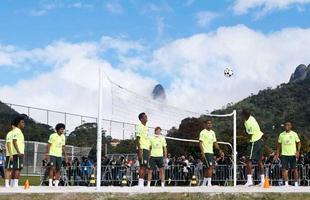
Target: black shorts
[
  {"x": 288, "y": 162},
  {"x": 209, "y": 159},
  {"x": 56, "y": 162},
  {"x": 18, "y": 162},
  {"x": 255, "y": 150},
  {"x": 156, "y": 162},
  {"x": 145, "y": 158},
  {"x": 8, "y": 163}
]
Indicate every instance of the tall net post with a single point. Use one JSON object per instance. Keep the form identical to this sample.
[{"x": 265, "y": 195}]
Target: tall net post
[
  {"x": 235, "y": 147},
  {"x": 99, "y": 129}
]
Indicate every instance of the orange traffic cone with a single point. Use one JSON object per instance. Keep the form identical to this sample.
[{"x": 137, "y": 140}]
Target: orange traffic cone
[
  {"x": 26, "y": 185},
  {"x": 266, "y": 183}
]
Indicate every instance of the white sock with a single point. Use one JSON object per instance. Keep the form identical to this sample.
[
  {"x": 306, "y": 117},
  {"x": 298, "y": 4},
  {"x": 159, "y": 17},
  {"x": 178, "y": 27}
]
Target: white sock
[
  {"x": 209, "y": 181},
  {"x": 204, "y": 182},
  {"x": 149, "y": 184},
  {"x": 249, "y": 178},
  {"x": 162, "y": 184},
  {"x": 7, "y": 183},
  {"x": 15, "y": 184},
  {"x": 296, "y": 183},
  {"x": 141, "y": 182},
  {"x": 50, "y": 182},
  {"x": 11, "y": 182},
  {"x": 286, "y": 183},
  {"x": 56, "y": 183},
  {"x": 262, "y": 178}
]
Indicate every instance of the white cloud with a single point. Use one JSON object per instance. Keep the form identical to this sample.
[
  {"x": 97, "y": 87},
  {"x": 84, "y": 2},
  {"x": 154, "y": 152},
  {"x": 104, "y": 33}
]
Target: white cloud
[
  {"x": 189, "y": 2},
  {"x": 5, "y": 59},
  {"x": 193, "y": 65},
  {"x": 241, "y": 7},
  {"x": 156, "y": 8},
  {"x": 80, "y": 5},
  {"x": 76, "y": 5},
  {"x": 37, "y": 13},
  {"x": 114, "y": 8},
  {"x": 45, "y": 8},
  {"x": 196, "y": 64},
  {"x": 72, "y": 83},
  {"x": 129, "y": 54},
  {"x": 160, "y": 24},
  {"x": 5, "y": 55},
  {"x": 204, "y": 18},
  {"x": 121, "y": 45}
]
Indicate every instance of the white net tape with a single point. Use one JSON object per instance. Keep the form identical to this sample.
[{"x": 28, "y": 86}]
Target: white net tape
[{"x": 197, "y": 141}]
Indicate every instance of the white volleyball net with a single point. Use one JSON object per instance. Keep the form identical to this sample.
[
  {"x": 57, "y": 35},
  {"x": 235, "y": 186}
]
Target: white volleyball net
[{"x": 127, "y": 104}]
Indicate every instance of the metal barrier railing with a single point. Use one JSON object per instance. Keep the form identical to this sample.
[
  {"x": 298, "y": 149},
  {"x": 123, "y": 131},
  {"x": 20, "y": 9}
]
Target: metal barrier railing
[
  {"x": 175, "y": 175},
  {"x": 70, "y": 175}
]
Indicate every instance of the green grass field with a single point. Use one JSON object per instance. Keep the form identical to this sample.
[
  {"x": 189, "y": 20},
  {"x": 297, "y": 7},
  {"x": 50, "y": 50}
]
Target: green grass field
[
  {"x": 219, "y": 195},
  {"x": 159, "y": 196},
  {"x": 33, "y": 180}
]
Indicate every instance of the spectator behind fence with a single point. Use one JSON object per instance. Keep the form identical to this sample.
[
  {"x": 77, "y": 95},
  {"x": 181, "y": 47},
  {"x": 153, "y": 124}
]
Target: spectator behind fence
[
  {"x": 86, "y": 167},
  {"x": 222, "y": 170},
  {"x": 181, "y": 168},
  {"x": 2, "y": 161},
  {"x": 75, "y": 171},
  {"x": 301, "y": 160},
  {"x": 185, "y": 163},
  {"x": 307, "y": 159},
  {"x": 186, "y": 168},
  {"x": 192, "y": 161},
  {"x": 167, "y": 161},
  {"x": 75, "y": 163}
]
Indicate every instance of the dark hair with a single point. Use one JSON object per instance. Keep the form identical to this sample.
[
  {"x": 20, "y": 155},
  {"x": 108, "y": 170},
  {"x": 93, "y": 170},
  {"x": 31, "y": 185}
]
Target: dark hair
[
  {"x": 59, "y": 126},
  {"x": 157, "y": 128},
  {"x": 288, "y": 121},
  {"x": 246, "y": 113},
  {"x": 17, "y": 120},
  {"x": 141, "y": 115},
  {"x": 208, "y": 120}
]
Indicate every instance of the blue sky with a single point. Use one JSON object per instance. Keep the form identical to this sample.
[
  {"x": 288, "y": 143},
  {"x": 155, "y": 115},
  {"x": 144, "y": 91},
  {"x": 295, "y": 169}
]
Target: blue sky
[
  {"x": 35, "y": 23},
  {"x": 155, "y": 41}
]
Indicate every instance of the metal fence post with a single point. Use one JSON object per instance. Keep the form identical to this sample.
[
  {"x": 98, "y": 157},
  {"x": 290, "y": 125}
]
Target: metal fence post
[
  {"x": 47, "y": 117},
  {"x": 35, "y": 157},
  {"x": 123, "y": 131}
]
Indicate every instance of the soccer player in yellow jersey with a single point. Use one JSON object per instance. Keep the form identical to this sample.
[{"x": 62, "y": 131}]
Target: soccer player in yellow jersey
[
  {"x": 158, "y": 151},
  {"x": 55, "y": 149},
  {"x": 143, "y": 145},
  {"x": 207, "y": 140},
  {"x": 256, "y": 147},
  {"x": 18, "y": 148},
  {"x": 287, "y": 142},
  {"x": 9, "y": 157}
]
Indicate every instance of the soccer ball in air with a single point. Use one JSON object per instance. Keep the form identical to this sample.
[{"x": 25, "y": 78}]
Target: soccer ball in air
[{"x": 228, "y": 72}]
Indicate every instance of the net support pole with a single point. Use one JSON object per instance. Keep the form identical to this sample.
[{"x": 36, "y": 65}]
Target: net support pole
[
  {"x": 99, "y": 129},
  {"x": 235, "y": 147}
]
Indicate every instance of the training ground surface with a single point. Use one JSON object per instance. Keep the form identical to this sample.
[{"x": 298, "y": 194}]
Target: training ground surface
[{"x": 214, "y": 193}]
